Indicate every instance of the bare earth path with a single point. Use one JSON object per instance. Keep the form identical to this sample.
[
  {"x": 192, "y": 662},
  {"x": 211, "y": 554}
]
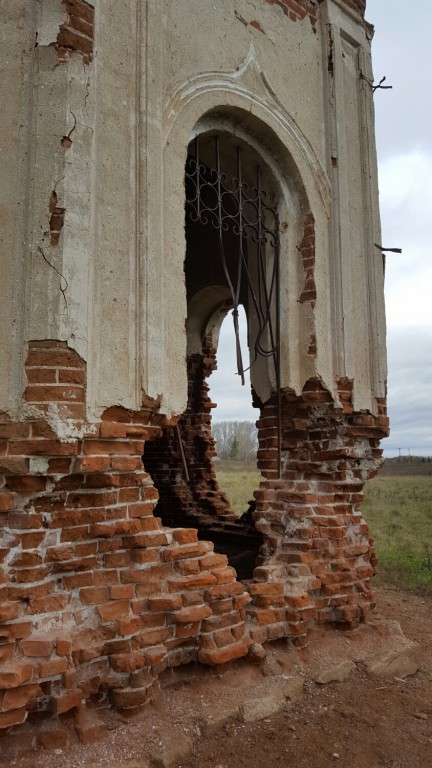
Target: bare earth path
[{"x": 362, "y": 722}]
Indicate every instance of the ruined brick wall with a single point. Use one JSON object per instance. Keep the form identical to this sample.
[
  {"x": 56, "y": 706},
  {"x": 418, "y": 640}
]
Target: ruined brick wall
[
  {"x": 98, "y": 595},
  {"x": 197, "y": 494},
  {"x": 77, "y": 35},
  {"x": 297, "y": 10},
  {"x": 315, "y": 536}
]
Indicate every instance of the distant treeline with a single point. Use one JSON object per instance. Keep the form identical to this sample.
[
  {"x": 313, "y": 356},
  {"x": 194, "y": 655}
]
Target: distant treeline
[
  {"x": 235, "y": 440},
  {"x": 407, "y": 465},
  {"x": 410, "y": 459}
]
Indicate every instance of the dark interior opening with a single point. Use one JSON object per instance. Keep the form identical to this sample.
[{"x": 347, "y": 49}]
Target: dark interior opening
[{"x": 232, "y": 253}]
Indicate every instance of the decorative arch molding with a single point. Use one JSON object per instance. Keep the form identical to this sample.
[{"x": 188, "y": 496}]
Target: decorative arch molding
[{"x": 247, "y": 89}]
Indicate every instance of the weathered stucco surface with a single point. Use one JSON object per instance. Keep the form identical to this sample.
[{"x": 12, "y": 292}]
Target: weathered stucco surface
[{"x": 104, "y": 354}]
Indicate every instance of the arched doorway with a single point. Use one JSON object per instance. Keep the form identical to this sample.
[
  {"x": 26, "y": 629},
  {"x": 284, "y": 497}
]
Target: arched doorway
[{"x": 232, "y": 260}]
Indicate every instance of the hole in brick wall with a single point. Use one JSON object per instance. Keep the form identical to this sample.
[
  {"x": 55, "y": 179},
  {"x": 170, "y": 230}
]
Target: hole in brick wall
[
  {"x": 231, "y": 244},
  {"x": 234, "y": 421},
  {"x": 182, "y": 466}
]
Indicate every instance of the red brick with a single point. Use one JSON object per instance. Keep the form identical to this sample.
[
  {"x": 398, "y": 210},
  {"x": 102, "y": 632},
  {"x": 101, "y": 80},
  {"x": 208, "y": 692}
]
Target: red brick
[
  {"x": 63, "y": 647},
  {"x": 118, "y": 560},
  {"x": 140, "y": 510},
  {"x": 71, "y": 376},
  {"x": 65, "y": 703},
  {"x": 161, "y": 603},
  {"x": 27, "y": 484},
  {"x": 52, "y": 667},
  {"x": 90, "y": 730},
  {"x": 62, "y": 552},
  {"x": 77, "y": 580},
  {"x": 54, "y": 354},
  {"x": 37, "y": 647},
  {"x": 13, "y": 675},
  {"x": 223, "y": 655},
  {"x": 180, "y": 551},
  {"x": 129, "y": 698},
  {"x": 93, "y": 595},
  {"x": 6, "y": 501},
  {"x": 26, "y": 559},
  {"x": 78, "y": 564},
  {"x": 108, "y": 577},
  {"x": 155, "y": 655},
  {"x": 186, "y": 630},
  {"x": 42, "y": 448},
  {"x": 108, "y": 447},
  {"x": 122, "y": 592},
  {"x": 114, "y": 610},
  {"x": 14, "y": 429},
  {"x": 212, "y": 560},
  {"x": 269, "y": 589},
  {"x": 13, "y": 717},
  {"x": 185, "y": 535},
  {"x": 14, "y": 465},
  {"x": 191, "y": 614},
  {"x": 93, "y": 464},
  {"x": 200, "y": 581},
  {"x": 54, "y": 393},
  {"x": 129, "y": 494},
  {"x": 155, "y": 636},
  {"x": 9, "y": 611},
  {"x": 80, "y": 9},
  {"x": 6, "y": 652},
  {"x": 19, "y": 697},
  {"x": 112, "y": 429},
  {"x": 30, "y": 575},
  {"x": 126, "y": 463},
  {"x": 50, "y": 604},
  {"x": 128, "y": 626}
]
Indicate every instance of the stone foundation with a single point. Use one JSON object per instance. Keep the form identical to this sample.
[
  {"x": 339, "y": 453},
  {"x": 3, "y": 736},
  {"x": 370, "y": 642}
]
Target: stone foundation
[{"x": 98, "y": 597}]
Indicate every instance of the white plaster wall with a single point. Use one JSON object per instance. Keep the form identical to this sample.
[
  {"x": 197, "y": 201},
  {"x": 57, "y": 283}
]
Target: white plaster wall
[
  {"x": 158, "y": 68},
  {"x": 113, "y": 362},
  {"x": 17, "y": 32}
]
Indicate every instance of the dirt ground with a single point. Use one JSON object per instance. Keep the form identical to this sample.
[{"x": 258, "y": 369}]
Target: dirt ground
[{"x": 364, "y": 721}]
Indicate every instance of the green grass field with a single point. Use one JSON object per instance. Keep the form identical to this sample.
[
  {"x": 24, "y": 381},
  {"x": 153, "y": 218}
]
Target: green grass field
[
  {"x": 238, "y": 481},
  {"x": 397, "y": 509},
  {"x": 399, "y": 514}
]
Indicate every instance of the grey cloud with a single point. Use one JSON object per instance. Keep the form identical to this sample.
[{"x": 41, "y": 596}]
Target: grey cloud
[{"x": 410, "y": 390}]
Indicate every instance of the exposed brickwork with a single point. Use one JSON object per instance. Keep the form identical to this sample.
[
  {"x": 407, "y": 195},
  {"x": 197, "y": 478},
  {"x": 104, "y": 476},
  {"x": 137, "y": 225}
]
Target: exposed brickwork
[
  {"x": 56, "y": 220},
  {"x": 310, "y": 517},
  {"x": 77, "y": 35},
  {"x": 297, "y": 10},
  {"x": 317, "y": 556},
  {"x": 307, "y": 253},
  {"x": 98, "y": 596},
  {"x": 201, "y": 495},
  {"x": 356, "y": 5},
  {"x": 94, "y": 592},
  {"x": 197, "y": 499}
]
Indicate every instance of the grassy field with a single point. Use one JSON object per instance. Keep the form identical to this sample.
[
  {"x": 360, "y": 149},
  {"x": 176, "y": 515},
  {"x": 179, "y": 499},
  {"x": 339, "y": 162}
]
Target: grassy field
[
  {"x": 399, "y": 513},
  {"x": 397, "y": 509},
  {"x": 238, "y": 481}
]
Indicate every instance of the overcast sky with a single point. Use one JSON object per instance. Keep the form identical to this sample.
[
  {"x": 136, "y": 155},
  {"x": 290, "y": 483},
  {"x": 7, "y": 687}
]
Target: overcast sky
[{"x": 401, "y": 52}]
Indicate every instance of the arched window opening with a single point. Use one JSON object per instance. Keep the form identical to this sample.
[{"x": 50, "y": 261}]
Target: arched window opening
[
  {"x": 232, "y": 260},
  {"x": 233, "y": 422}
]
